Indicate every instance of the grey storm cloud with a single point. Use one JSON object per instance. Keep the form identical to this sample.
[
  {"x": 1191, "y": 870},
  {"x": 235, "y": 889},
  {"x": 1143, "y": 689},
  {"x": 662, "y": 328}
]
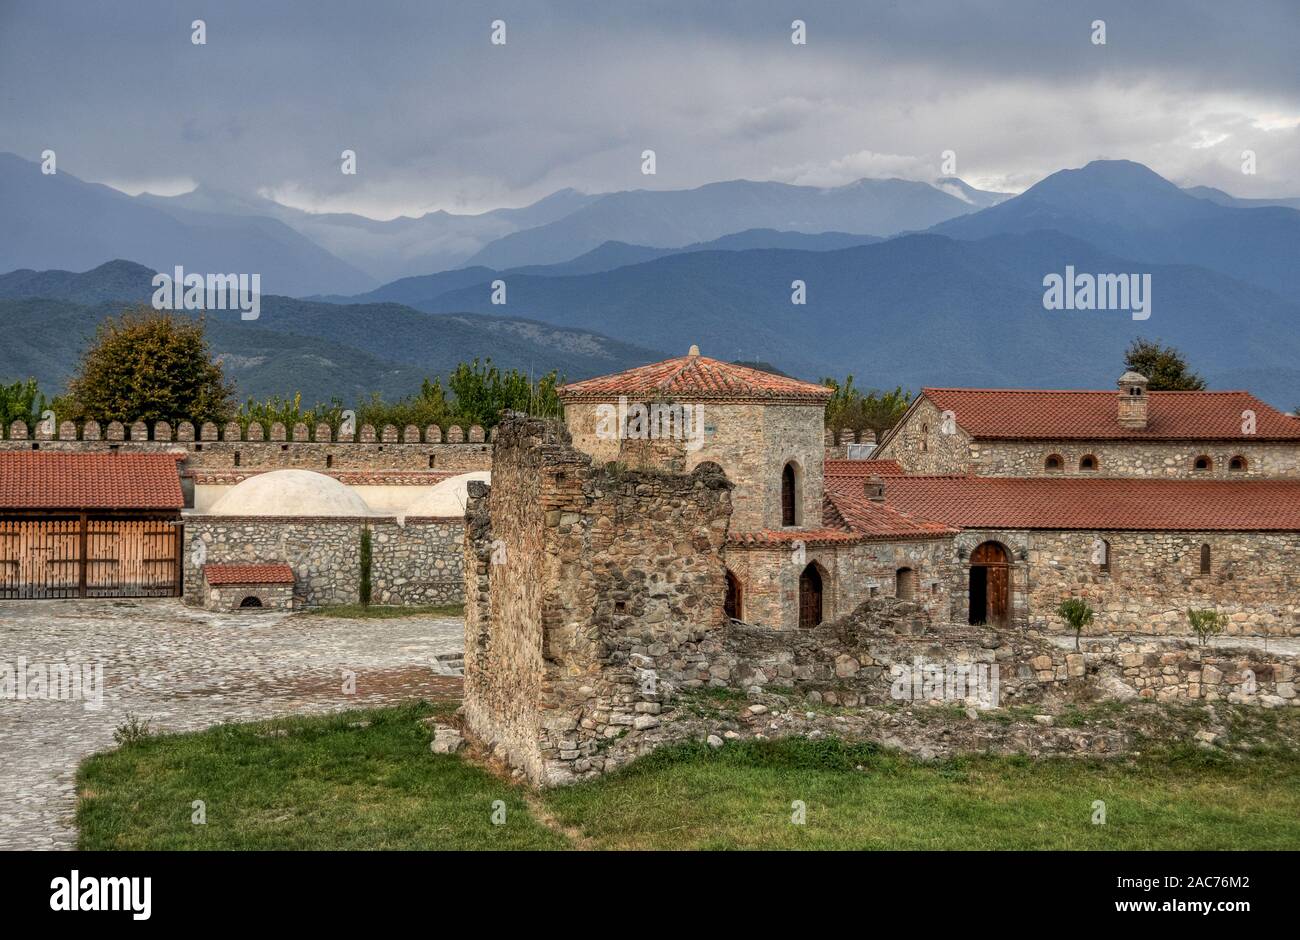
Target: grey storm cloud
[{"x": 442, "y": 119}]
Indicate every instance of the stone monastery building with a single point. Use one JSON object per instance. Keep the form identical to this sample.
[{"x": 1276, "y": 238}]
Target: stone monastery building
[{"x": 982, "y": 505}]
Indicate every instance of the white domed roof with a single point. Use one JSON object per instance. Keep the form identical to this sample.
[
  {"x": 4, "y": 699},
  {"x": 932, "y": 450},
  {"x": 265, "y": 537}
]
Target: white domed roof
[
  {"x": 290, "y": 493},
  {"x": 446, "y": 498}
]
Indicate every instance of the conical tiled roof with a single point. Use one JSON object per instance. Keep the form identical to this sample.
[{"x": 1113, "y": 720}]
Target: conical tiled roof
[{"x": 697, "y": 378}]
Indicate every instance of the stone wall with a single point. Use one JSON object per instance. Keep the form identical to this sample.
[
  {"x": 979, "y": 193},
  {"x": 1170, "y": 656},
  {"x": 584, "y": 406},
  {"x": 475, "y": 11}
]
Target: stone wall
[
  {"x": 419, "y": 562},
  {"x": 232, "y": 596},
  {"x": 1154, "y": 577},
  {"x": 920, "y": 446},
  {"x": 752, "y": 442},
  {"x": 584, "y": 564},
  {"x": 1134, "y": 459}
]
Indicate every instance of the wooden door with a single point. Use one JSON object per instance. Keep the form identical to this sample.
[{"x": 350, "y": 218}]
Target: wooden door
[
  {"x": 989, "y": 564},
  {"x": 810, "y": 597}
]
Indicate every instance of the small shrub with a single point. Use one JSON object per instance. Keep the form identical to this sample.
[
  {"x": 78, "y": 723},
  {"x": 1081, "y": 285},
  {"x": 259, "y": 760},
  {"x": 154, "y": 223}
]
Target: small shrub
[
  {"x": 1076, "y": 612},
  {"x": 365, "y": 568},
  {"x": 1206, "y": 623},
  {"x": 132, "y": 730}
]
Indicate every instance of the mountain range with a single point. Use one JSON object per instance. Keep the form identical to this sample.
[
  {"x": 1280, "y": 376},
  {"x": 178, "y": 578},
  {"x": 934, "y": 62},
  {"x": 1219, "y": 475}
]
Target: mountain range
[{"x": 955, "y": 298}]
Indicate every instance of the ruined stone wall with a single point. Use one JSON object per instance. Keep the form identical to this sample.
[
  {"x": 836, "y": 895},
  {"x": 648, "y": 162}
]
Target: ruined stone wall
[
  {"x": 420, "y": 562},
  {"x": 752, "y": 442},
  {"x": 920, "y": 446},
  {"x": 595, "y": 565},
  {"x": 1154, "y": 577},
  {"x": 1137, "y": 459}
]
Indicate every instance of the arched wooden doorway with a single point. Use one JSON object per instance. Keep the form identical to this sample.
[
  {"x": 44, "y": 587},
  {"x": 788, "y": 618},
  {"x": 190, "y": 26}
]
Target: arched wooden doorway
[
  {"x": 734, "y": 605},
  {"x": 810, "y": 597},
  {"x": 990, "y": 584}
]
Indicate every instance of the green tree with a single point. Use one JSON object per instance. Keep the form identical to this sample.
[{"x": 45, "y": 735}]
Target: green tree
[
  {"x": 1164, "y": 367},
  {"x": 1075, "y": 612},
  {"x": 21, "y": 401},
  {"x": 875, "y": 411},
  {"x": 1206, "y": 623},
  {"x": 483, "y": 391},
  {"x": 151, "y": 366},
  {"x": 289, "y": 411}
]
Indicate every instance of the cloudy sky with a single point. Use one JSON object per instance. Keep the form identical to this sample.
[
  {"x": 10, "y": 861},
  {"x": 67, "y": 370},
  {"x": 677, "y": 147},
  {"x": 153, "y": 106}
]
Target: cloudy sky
[{"x": 442, "y": 119}]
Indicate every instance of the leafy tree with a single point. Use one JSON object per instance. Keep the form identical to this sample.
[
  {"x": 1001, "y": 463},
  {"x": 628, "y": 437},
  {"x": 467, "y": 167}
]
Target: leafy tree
[
  {"x": 483, "y": 391},
  {"x": 1164, "y": 366},
  {"x": 289, "y": 411},
  {"x": 875, "y": 411},
  {"x": 21, "y": 401},
  {"x": 1206, "y": 623},
  {"x": 1075, "y": 612},
  {"x": 151, "y": 366}
]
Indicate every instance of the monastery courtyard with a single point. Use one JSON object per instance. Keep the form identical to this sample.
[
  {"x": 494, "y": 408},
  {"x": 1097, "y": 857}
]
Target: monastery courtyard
[{"x": 181, "y": 669}]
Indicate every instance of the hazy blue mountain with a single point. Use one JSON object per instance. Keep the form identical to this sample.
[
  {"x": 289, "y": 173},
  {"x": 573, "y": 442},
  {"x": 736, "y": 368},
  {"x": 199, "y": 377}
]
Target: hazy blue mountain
[
  {"x": 59, "y": 221},
  {"x": 675, "y": 218},
  {"x": 918, "y": 309},
  {"x": 322, "y": 350},
  {"x": 386, "y": 249},
  {"x": 113, "y": 280},
  {"x": 1128, "y": 210},
  {"x": 417, "y": 291},
  {"x": 1224, "y": 199}
]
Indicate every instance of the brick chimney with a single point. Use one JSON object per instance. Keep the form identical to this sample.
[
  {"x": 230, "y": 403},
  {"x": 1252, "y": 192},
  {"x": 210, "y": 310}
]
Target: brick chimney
[
  {"x": 1132, "y": 401},
  {"x": 875, "y": 489}
]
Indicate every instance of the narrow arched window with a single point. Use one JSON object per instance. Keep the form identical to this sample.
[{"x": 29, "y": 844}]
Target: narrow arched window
[
  {"x": 905, "y": 584},
  {"x": 925, "y": 438},
  {"x": 788, "y": 512},
  {"x": 1205, "y": 559},
  {"x": 1237, "y": 464}
]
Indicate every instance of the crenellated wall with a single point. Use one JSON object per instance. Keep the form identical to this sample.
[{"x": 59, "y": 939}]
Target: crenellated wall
[{"x": 231, "y": 446}]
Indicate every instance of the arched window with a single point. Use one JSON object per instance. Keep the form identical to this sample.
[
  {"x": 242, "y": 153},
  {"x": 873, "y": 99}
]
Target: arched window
[
  {"x": 734, "y": 604},
  {"x": 251, "y": 600},
  {"x": 1203, "y": 463},
  {"x": 1237, "y": 464},
  {"x": 789, "y": 495},
  {"x": 1101, "y": 554},
  {"x": 925, "y": 438},
  {"x": 1053, "y": 462},
  {"x": 905, "y": 584},
  {"x": 1087, "y": 462},
  {"x": 1205, "y": 559}
]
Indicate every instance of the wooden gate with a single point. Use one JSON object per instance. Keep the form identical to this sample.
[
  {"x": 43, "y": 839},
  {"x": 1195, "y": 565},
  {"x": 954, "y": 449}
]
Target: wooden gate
[{"x": 83, "y": 557}]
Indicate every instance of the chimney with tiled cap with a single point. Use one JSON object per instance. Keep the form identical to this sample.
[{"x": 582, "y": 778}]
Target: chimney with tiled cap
[
  {"x": 875, "y": 488},
  {"x": 1133, "y": 401}
]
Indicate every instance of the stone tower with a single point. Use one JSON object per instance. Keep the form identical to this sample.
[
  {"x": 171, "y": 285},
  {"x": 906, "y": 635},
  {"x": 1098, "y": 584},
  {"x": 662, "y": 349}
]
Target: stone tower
[{"x": 764, "y": 430}]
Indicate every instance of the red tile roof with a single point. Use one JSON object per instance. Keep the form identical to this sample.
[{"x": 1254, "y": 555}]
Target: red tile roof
[
  {"x": 1034, "y": 414},
  {"x": 52, "y": 480},
  {"x": 695, "y": 377},
  {"x": 1108, "y": 503},
  {"x": 854, "y": 511},
  {"x": 248, "y": 574},
  {"x": 779, "y": 538}
]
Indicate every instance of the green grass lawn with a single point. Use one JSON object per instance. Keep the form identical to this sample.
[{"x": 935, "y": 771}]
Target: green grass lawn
[{"x": 328, "y": 783}]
